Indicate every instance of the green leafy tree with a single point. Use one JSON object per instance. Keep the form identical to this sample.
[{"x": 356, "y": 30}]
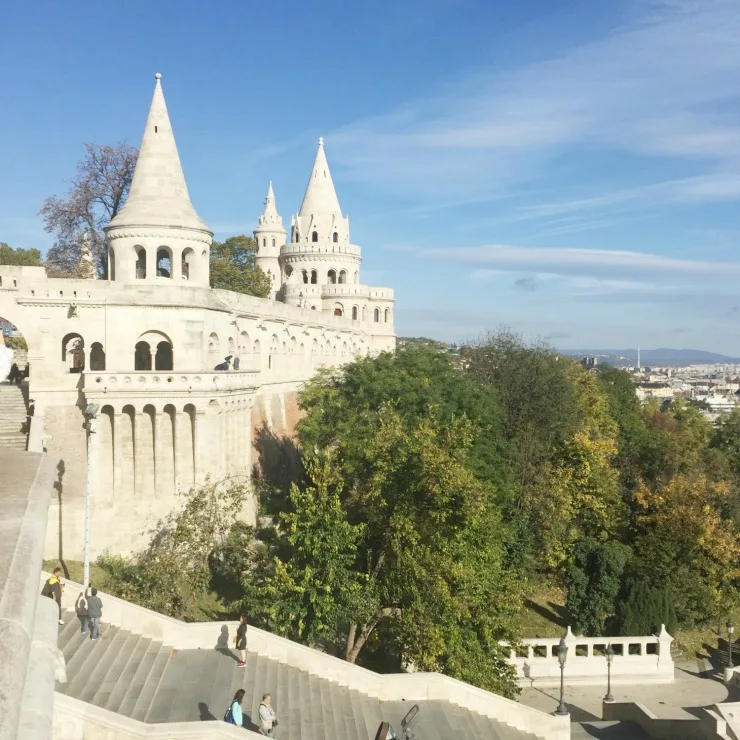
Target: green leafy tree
[
  {"x": 307, "y": 589},
  {"x": 340, "y": 404},
  {"x": 173, "y": 574},
  {"x": 643, "y": 607},
  {"x": 95, "y": 195},
  {"x": 234, "y": 267},
  {"x": 18, "y": 256},
  {"x": 593, "y": 579}
]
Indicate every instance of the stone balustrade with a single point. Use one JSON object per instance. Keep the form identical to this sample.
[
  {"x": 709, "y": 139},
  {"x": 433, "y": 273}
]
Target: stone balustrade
[
  {"x": 150, "y": 382},
  {"x": 646, "y": 659}
]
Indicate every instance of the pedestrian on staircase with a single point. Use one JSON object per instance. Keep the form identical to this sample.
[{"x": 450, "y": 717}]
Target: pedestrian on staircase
[
  {"x": 53, "y": 589},
  {"x": 82, "y": 613},
  {"x": 268, "y": 721},
  {"x": 241, "y": 640},
  {"x": 94, "y": 612},
  {"x": 234, "y": 715}
]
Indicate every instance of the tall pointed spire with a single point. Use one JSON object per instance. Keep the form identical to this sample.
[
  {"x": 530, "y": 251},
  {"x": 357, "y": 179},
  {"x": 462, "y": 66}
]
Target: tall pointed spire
[
  {"x": 159, "y": 193},
  {"x": 320, "y": 197},
  {"x": 270, "y": 216}
]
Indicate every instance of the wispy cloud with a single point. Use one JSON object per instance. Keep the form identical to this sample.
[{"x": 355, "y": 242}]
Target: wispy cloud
[
  {"x": 664, "y": 85},
  {"x": 588, "y": 269}
]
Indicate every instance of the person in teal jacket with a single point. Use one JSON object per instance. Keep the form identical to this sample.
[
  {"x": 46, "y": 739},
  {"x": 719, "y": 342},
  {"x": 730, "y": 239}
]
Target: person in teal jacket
[{"x": 234, "y": 714}]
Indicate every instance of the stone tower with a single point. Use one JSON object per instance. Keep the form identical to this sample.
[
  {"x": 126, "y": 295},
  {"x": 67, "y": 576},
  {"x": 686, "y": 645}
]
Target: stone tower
[
  {"x": 270, "y": 237},
  {"x": 158, "y": 236},
  {"x": 320, "y": 252}
]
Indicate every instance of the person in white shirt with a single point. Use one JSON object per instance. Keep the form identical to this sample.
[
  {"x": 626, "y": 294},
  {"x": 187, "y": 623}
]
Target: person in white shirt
[{"x": 268, "y": 722}]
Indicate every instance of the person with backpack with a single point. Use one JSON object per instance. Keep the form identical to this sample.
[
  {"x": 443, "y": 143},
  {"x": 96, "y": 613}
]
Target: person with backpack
[
  {"x": 241, "y": 640},
  {"x": 53, "y": 589},
  {"x": 234, "y": 715}
]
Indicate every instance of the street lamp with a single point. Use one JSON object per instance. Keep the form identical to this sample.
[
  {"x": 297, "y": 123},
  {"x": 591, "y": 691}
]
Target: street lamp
[
  {"x": 730, "y": 632},
  {"x": 609, "y": 659},
  {"x": 562, "y": 710},
  {"x": 91, "y": 411}
]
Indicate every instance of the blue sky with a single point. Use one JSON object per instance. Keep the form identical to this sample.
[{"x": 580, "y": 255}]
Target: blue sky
[{"x": 567, "y": 168}]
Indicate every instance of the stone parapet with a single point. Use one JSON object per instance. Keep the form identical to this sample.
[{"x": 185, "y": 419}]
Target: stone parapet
[
  {"x": 25, "y": 489},
  {"x": 164, "y": 383}
]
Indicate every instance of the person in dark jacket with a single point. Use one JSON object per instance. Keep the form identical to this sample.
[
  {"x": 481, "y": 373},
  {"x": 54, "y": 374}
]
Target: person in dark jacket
[
  {"x": 53, "y": 589},
  {"x": 241, "y": 640},
  {"x": 94, "y": 612}
]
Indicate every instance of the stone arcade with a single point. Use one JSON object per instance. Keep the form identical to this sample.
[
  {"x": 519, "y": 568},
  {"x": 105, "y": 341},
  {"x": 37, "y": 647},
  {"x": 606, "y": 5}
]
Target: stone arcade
[{"x": 142, "y": 347}]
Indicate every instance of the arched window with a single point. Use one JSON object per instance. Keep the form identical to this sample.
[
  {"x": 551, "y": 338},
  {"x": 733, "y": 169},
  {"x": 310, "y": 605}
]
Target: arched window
[
  {"x": 264, "y": 242},
  {"x": 387, "y": 312},
  {"x": 188, "y": 264},
  {"x": 140, "y": 263},
  {"x": 111, "y": 263},
  {"x": 343, "y": 276},
  {"x": 314, "y": 277},
  {"x": 296, "y": 236},
  {"x": 354, "y": 313},
  {"x": 332, "y": 277},
  {"x": 164, "y": 262},
  {"x": 142, "y": 356},
  {"x": 376, "y": 315},
  {"x": 163, "y": 356},
  {"x": 288, "y": 271},
  {"x": 335, "y": 237},
  {"x": 315, "y": 236},
  {"x": 357, "y": 277},
  {"x": 338, "y": 309},
  {"x": 97, "y": 356},
  {"x": 73, "y": 352},
  {"x": 273, "y": 241},
  {"x": 305, "y": 276},
  {"x": 313, "y": 308}
]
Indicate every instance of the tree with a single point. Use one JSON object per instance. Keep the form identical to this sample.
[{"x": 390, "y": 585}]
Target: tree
[
  {"x": 234, "y": 267},
  {"x": 338, "y": 403},
  {"x": 398, "y": 541},
  {"x": 18, "y": 256},
  {"x": 94, "y": 197},
  {"x": 307, "y": 588},
  {"x": 643, "y": 607},
  {"x": 686, "y": 544},
  {"x": 174, "y": 573},
  {"x": 593, "y": 579}
]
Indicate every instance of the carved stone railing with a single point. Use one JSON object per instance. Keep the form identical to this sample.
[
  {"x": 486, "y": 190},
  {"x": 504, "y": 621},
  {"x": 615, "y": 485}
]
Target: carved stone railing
[{"x": 170, "y": 382}]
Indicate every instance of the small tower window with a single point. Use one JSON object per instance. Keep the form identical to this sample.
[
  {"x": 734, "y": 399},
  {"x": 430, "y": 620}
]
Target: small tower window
[
  {"x": 315, "y": 236},
  {"x": 343, "y": 276},
  {"x": 354, "y": 313},
  {"x": 335, "y": 237},
  {"x": 314, "y": 277},
  {"x": 376, "y": 315},
  {"x": 273, "y": 242},
  {"x": 155, "y": 129},
  {"x": 332, "y": 277},
  {"x": 386, "y": 315},
  {"x": 264, "y": 242},
  {"x": 305, "y": 276}
]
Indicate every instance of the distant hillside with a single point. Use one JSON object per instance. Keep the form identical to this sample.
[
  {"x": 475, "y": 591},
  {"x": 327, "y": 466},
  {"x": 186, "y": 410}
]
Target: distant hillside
[{"x": 657, "y": 357}]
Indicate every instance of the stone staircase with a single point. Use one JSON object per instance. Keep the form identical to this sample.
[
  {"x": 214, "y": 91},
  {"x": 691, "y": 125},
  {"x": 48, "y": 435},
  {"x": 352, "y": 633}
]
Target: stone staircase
[
  {"x": 150, "y": 682},
  {"x": 13, "y": 417}
]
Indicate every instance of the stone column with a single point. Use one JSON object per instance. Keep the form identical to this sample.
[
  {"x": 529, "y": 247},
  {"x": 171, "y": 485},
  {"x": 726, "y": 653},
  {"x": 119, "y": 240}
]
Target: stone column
[
  {"x": 151, "y": 263},
  {"x": 164, "y": 461},
  {"x": 200, "y": 448}
]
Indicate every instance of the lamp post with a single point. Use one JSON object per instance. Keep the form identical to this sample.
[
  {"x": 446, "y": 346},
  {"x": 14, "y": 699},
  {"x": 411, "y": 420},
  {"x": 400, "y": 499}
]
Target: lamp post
[
  {"x": 730, "y": 633},
  {"x": 562, "y": 710},
  {"x": 609, "y": 659},
  {"x": 91, "y": 411}
]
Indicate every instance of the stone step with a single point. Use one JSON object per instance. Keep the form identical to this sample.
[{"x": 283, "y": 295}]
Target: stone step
[
  {"x": 607, "y": 731},
  {"x": 144, "y": 700},
  {"x": 139, "y": 679}
]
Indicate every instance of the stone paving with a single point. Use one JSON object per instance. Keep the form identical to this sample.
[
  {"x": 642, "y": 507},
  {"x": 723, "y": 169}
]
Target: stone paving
[{"x": 695, "y": 686}]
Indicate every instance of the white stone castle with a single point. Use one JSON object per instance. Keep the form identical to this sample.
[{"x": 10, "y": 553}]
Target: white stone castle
[{"x": 137, "y": 352}]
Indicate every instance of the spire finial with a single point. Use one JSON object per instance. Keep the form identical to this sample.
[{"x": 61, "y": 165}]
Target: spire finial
[
  {"x": 158, "y": 76},
  {"x": 321, "y": 141}
]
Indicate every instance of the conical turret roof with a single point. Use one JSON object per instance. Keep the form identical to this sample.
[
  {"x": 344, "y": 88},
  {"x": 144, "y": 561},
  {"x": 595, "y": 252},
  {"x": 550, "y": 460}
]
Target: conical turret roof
[
  {"x": 320, "y": 197},
  {"x": 270, "y": 220},
  {"x": 159, "y": 193}
]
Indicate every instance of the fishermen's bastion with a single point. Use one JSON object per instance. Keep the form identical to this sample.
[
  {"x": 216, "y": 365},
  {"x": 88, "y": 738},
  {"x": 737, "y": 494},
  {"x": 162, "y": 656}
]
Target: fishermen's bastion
[{"x": 137, "y": 352}]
